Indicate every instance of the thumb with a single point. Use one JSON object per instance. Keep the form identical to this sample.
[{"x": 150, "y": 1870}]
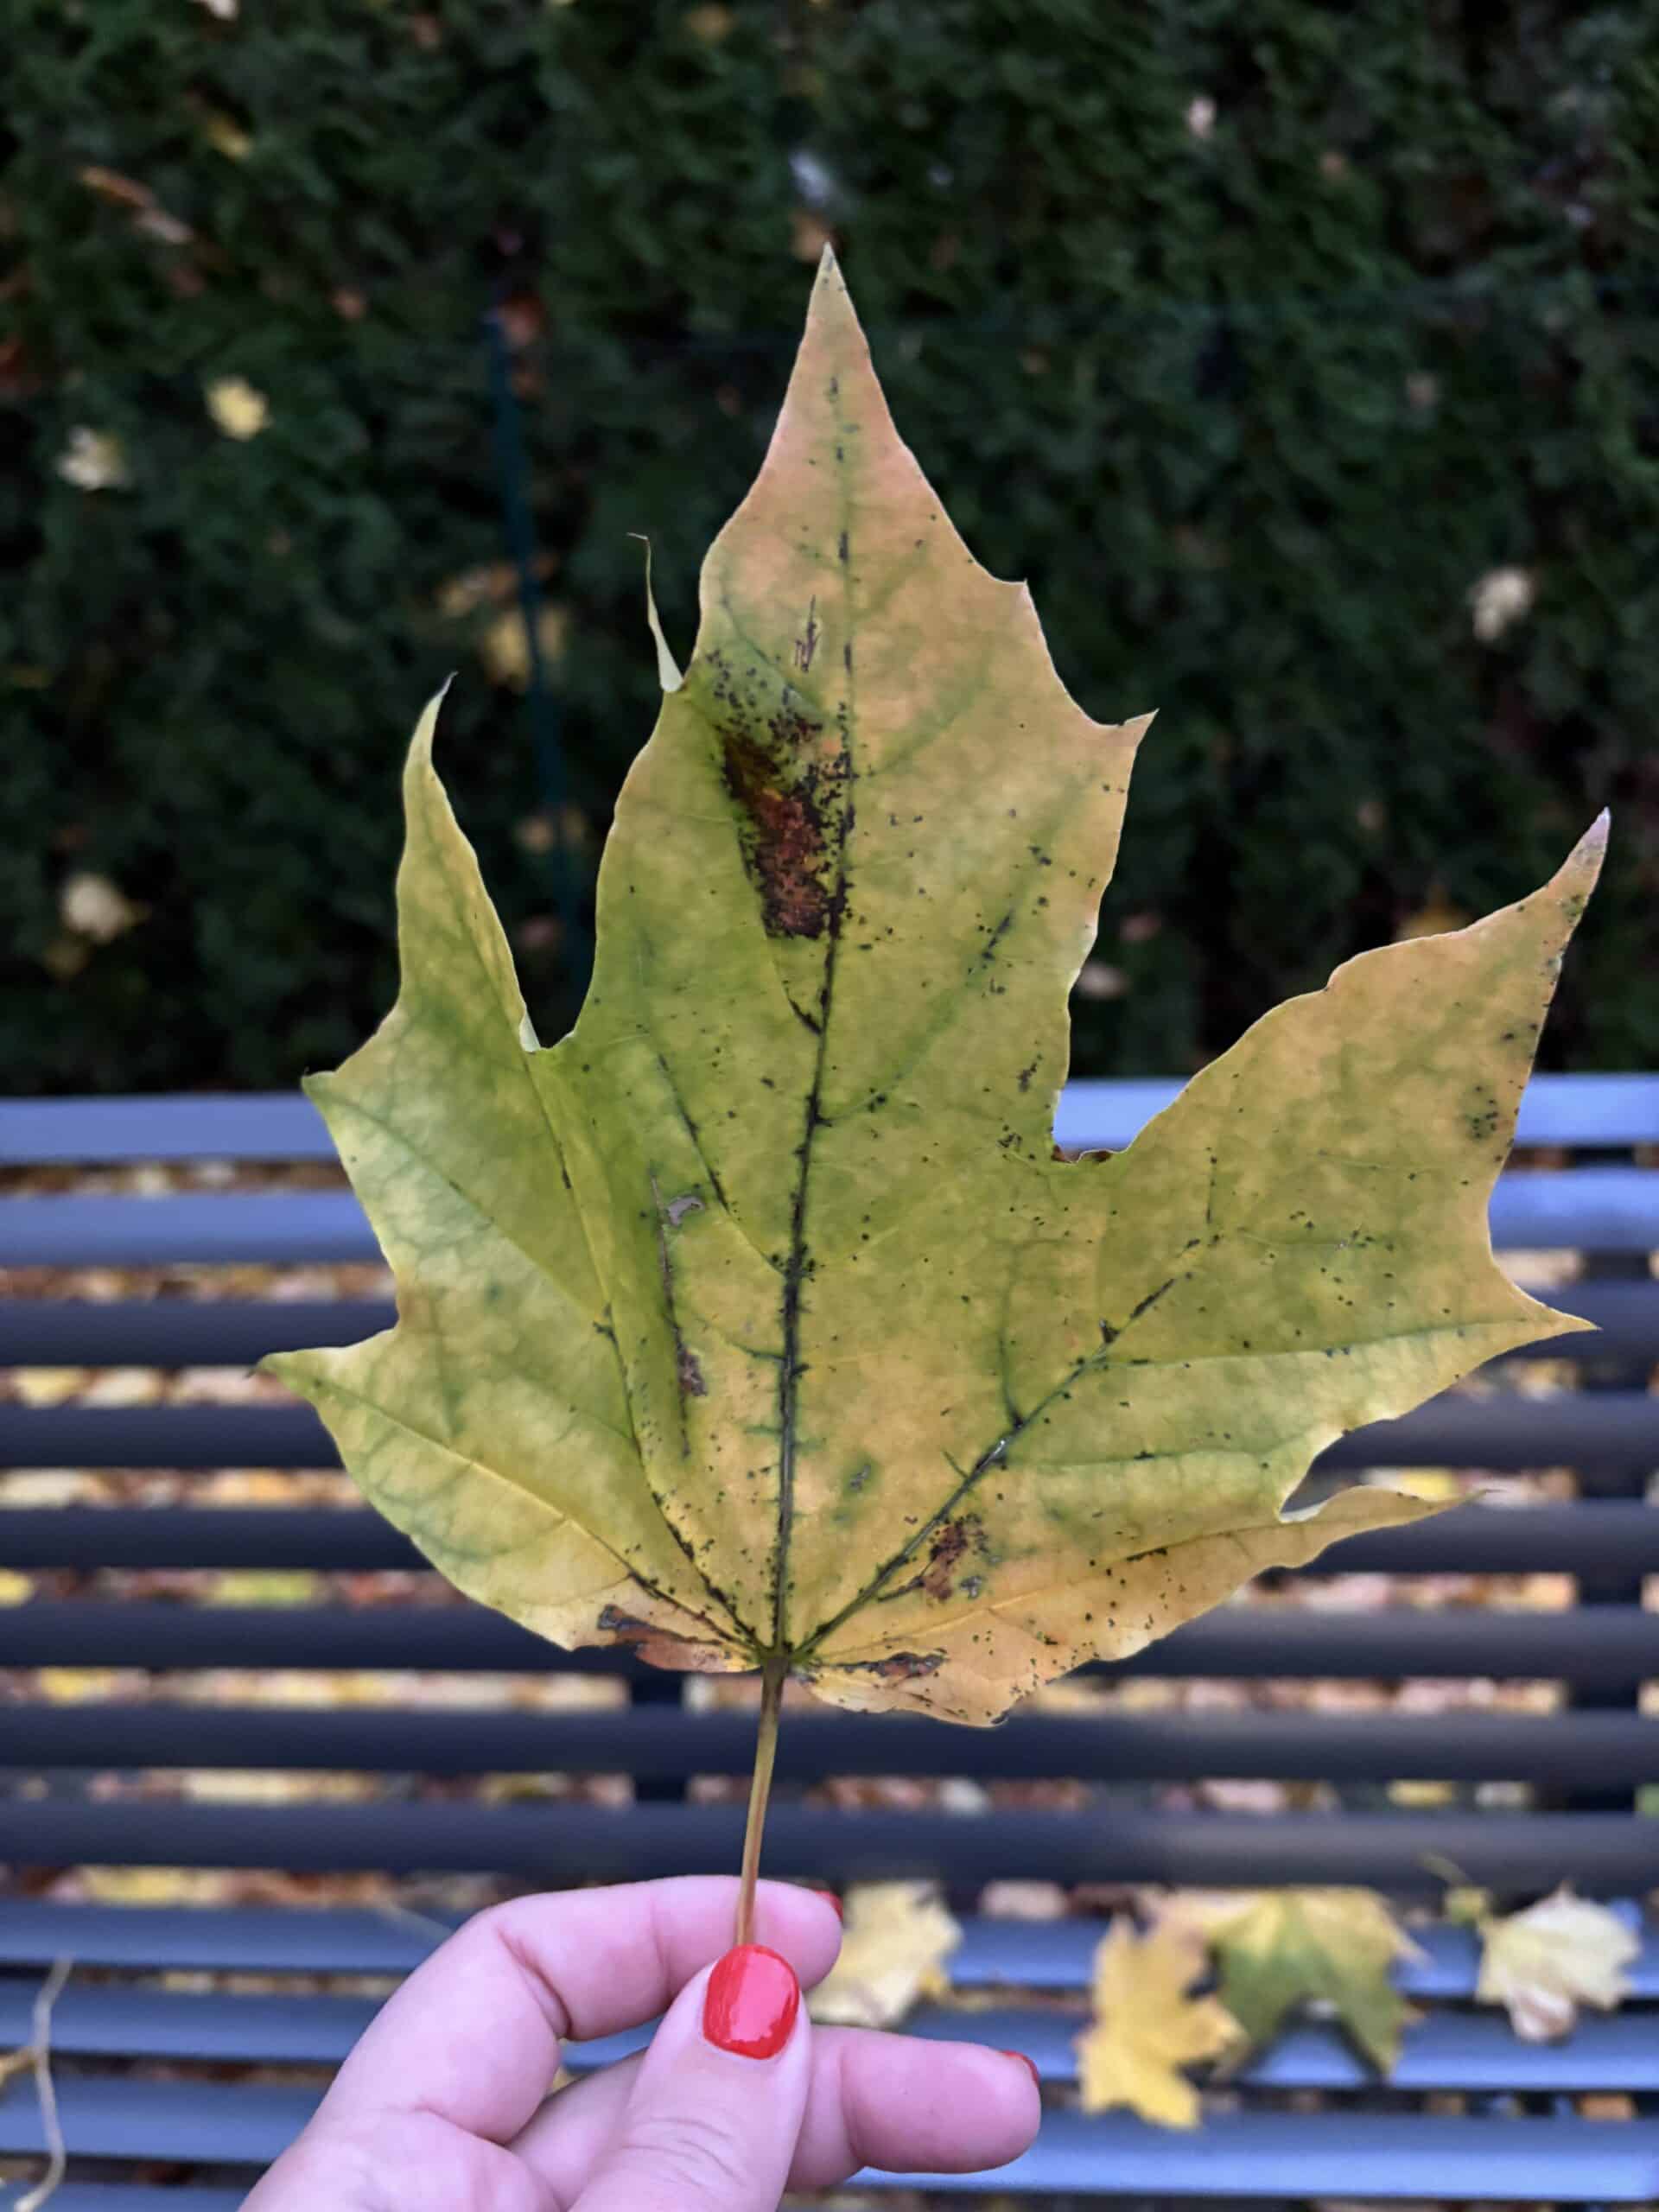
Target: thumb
[{"x": 711, "y": 2121}]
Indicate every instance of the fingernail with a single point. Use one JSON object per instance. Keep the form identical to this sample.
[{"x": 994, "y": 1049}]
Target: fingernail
[
  {"x": 1029, "y": 2063},
  {"x": 751, "y": 2002},
  {"x": 830, "y": 1899}
]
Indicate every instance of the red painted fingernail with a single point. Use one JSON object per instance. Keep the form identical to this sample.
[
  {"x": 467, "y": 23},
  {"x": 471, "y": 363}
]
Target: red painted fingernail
[
  {"x": 1029, "y": 2062},
  {"x": 830, "y": 1899},
  {"x": 751, "y": 2003}
]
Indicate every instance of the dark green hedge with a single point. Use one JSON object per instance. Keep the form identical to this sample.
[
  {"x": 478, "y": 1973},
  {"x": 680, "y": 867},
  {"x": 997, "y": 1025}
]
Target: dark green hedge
[{"x": 1255, "y": 406}]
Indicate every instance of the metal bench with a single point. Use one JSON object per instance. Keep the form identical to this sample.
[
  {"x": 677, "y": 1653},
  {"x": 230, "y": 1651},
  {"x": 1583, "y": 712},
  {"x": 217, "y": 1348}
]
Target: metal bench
[{"x": 1489, "y": 2117}]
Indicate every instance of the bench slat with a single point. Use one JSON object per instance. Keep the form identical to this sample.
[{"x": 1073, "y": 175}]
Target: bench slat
[
  {"x": 210, "y": 1331},
  {"x": 1605, "y": 1854},
  {"x": 1589, "y": 1537},
  {"x": 1297, "y": 2155},
  {"x": 252, "y": 1939},
  {"x": 1568, "y": 1751},
  {"x": 1606, "y": 1432},
  {"x": 1588, "y": 1110},
  {"x": 1593, "y": 1536},
  {"x": 1555, "y": 1110},
  {"x": 1459, "y": 2050},
  {"x": 139, "y": 2196},
  {"x": 1595, "y": 1644},
  {"x": 1037, "y": 1955},
  {"x": 270, "y": 1125},
  {"x": 1601, "y": 1209},
  {"x": 210, "y": 2123},
  {"x": 1474, "y": 2051},
  {"x": 1239, "y": 2155},
  {"x": 239, "y": 1331},
  {"x": 1056, "y": 1955}
]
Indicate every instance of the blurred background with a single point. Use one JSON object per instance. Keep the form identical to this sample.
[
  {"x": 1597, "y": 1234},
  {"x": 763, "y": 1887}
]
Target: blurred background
[{"x": 1305, "y": 360}]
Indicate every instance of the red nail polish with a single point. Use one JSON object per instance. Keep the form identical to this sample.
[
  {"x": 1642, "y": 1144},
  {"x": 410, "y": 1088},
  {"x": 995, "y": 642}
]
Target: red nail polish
[
  {"x": 751, "y": 2002},
  {"x": 1024, "y": 2061},
  {"x": 830, "y": 1899}
]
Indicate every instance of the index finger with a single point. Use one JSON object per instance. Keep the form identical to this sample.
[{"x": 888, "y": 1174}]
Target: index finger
[{"x": 474, "y": 2034}]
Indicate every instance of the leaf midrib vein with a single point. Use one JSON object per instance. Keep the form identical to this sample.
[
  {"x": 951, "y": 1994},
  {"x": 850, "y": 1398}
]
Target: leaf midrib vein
[{"x": 795, "y": 1266}]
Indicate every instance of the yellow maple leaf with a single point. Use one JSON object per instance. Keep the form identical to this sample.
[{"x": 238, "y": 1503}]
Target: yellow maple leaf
[
  {"x": 1541, "y": 1965},
  {"x": 1146, "y": 2027},
  {"x": 899, "y": 1936}
]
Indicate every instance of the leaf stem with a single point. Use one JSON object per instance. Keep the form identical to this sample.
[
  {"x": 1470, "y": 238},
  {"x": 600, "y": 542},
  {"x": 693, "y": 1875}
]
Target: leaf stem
[{"x": 765, "y": 1751}]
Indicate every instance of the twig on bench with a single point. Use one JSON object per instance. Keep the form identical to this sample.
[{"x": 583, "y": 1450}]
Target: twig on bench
[{"x": 38, "y": 2052}]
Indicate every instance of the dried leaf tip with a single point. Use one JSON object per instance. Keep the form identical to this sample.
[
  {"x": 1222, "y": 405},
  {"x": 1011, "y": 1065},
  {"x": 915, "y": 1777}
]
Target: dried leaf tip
[
  {"x": 668, "y": 670},
  {"x": 1583, "y": 864}
]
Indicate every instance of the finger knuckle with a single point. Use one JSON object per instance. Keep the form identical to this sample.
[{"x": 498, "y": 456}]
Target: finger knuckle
[{"x": 698, "y": 2152}]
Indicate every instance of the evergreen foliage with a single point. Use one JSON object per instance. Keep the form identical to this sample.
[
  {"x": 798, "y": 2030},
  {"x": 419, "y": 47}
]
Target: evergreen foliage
[{"x": 1256, "y": 333}]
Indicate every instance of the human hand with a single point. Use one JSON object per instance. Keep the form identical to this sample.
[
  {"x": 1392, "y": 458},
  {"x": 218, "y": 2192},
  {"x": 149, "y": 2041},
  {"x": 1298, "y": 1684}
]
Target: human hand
[{"x": 443, "y": 2105}]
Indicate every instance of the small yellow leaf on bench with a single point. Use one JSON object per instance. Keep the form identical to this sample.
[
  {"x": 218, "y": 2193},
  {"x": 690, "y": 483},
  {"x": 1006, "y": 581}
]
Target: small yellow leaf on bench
[
  {"x": 899, "y": 1936},
  {"x": 1146, "y": 2028}
]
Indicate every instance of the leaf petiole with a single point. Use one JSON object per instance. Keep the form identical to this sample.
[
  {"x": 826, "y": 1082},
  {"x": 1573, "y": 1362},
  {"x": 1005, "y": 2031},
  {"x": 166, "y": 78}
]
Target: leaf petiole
[{"x": 773, "y": 1678}]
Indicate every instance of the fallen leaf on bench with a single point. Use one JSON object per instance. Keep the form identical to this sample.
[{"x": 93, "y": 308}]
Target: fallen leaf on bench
[
  {"x": 1330, "y": 1948},
  {"x": 1541, "y": 1965},
  {"x": 125, "y": 1386},
  {"x": 84, "y": 1685},
  {"x": 1146, "y": 2028},
  {"x": 897, "y": 1940},
  {"x": 47, "y": 1386},
  {"x": 295, "y": 1585}
]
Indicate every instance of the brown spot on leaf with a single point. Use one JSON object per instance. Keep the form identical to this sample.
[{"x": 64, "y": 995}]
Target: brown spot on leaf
[
  {"x": 660, "y": 1646},
  {"x": 947, "y": 1548},
  {"x": 788, "y": 782},
  {"x": 691, "y": 1380},
  {"x": 625, "y": 1627},
  {"x": 903, "y": 1666}
]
